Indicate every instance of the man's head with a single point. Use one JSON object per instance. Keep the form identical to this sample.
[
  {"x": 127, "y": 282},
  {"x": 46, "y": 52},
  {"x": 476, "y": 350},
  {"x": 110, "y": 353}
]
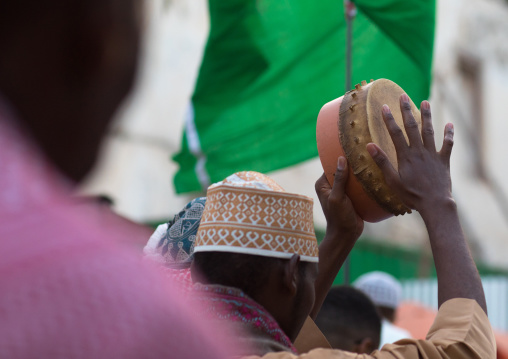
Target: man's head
[
  {"x": 383, "y": 289},
  {"x": 65, "y": 67},
  {"x": 172, "y": 243},
  {"x": 349, "y": 320},
  {"x": 256, "y": 237}
]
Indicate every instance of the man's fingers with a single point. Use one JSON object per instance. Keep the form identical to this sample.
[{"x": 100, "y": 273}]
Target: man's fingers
[
  {"x": 339, "y": 182},
  {"x": 379, "y": 156},
  {"x": 427, "y": 128},
  {"x": 446, "y": 150},
  {"x": 413, "y": 134},
  {"x": 323, "y": 188},
  {"x": 399, "y": 141}
]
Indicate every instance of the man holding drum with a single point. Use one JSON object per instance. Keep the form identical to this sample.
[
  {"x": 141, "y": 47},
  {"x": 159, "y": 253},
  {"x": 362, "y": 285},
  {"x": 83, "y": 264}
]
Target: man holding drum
[{"x": 422, "y": 182}]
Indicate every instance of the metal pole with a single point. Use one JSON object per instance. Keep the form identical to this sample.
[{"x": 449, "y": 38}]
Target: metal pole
[
  {"x": 350, "y": 14},
  {"x": 350, "y": 11}
]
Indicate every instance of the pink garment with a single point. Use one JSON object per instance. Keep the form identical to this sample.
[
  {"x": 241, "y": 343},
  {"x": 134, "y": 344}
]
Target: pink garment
[
  {"x": 68, "y": 287},
  {"x": 182, "y": 278}
]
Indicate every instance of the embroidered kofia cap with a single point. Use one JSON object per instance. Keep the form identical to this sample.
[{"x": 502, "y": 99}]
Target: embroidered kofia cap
[
  {"x": 172, "y": 244},
  {"x": 382, "y": 288},
  {"x": 250, "y": 213}
]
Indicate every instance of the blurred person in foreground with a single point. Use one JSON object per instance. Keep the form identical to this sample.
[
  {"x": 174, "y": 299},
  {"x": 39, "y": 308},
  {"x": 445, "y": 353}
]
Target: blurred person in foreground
[
  {"x": 349, "y": 320},
  {"x": 385, "y": 291},
  {"x": 69, "y": 288},
  {"x": 260, "y": 268},
  {"x": 105, "y": 209}
]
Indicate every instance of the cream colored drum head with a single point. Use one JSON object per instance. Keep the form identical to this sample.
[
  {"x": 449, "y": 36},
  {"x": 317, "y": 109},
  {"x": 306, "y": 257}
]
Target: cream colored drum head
[{"x": 361, "y": 122}]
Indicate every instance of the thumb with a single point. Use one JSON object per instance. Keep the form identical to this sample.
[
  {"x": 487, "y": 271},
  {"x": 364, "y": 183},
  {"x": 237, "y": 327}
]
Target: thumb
[
  {"x": 340, "y": 179},
  {"x": 379, "y": 156}
]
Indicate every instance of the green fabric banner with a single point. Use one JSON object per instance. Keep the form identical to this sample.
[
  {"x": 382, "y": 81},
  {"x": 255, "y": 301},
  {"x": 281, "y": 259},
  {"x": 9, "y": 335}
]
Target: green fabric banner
[{"x": 269, "y": 66}]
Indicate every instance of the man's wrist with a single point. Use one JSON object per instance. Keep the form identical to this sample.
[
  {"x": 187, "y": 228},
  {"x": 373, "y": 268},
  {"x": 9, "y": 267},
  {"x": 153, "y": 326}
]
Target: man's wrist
[
  {"x": 338, "y": 241},
  {"x": 338, "y": 235},
  {"x": 437, "y": 208}
]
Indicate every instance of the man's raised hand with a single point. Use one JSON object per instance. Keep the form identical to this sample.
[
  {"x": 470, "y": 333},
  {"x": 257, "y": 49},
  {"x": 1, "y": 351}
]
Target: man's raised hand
[{"x": 423, "y": 176}]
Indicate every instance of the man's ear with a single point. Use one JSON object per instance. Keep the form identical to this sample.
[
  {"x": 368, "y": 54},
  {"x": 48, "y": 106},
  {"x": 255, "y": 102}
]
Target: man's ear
[
  {"x": 291, "y": 274},
  {"x": 366, "y": 346}
]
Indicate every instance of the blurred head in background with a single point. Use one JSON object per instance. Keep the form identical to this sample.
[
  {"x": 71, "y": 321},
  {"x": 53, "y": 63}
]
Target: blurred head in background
[
  {"x": 65, "y": 67},
  {"x": 349, "y": 320},
  {"x": 383, "y": 289}
]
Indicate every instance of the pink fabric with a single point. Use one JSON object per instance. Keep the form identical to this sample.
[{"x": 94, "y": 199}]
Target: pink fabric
[
  {"x": 68, "y": 287},
  {"x": 182, "y": 278}
]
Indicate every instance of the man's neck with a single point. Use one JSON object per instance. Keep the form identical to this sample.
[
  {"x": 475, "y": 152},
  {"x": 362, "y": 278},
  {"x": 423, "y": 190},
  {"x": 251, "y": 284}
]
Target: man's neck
[{"x": 260, "y": 330}]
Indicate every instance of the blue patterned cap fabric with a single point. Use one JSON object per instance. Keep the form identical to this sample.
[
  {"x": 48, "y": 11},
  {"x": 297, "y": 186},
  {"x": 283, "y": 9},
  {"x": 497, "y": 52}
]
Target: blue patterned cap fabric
[{"x": 174, "y": 241}]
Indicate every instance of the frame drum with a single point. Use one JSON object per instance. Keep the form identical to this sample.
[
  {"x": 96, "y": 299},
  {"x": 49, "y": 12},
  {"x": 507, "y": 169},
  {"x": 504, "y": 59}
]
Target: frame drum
[{"x": 344, "y": 128}]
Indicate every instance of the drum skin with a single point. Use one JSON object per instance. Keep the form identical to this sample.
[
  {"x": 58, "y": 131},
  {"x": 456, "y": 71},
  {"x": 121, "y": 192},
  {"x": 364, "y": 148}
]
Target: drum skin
[{"x": 361, "y": 123}]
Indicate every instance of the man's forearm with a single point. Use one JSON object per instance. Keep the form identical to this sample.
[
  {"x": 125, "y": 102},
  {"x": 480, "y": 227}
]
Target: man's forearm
[
  {"x": 344, "y": 226},
  {"x": 456, "y": 271},
  {"x": 333, "y": 252}
]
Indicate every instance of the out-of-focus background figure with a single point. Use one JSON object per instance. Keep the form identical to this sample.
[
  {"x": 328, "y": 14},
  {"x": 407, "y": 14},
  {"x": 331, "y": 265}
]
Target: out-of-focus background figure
[
  {"x": 385, "y": 292},
  {"x": 349, "y": 320}
]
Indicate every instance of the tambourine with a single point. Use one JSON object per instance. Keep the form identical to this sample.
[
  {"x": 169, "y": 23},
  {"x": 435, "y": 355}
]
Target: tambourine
[{"x": 344, "y": 128}]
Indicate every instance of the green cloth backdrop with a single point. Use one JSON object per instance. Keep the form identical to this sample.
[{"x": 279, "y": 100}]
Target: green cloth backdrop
[{"x": 269, "y": 66}]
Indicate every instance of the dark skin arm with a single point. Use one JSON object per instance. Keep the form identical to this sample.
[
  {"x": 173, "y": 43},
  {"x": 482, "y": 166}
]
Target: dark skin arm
[
  {"x": 343, "y": 228},
  {"x": 423, "y": 182}
]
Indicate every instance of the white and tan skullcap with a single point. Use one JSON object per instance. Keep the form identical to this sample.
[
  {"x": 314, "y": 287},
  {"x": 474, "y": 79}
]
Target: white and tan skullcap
[
  {"x": 382, "y": 288},
  {"x": 250, "y": 213}
]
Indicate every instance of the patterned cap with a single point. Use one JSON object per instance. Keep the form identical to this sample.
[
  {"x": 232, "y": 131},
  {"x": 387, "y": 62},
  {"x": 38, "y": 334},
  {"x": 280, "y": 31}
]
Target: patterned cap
[
  {"x": 173, "y": 243},
  {"x": 250, "y": 213},
  {"x": 382, "y": 288}
]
